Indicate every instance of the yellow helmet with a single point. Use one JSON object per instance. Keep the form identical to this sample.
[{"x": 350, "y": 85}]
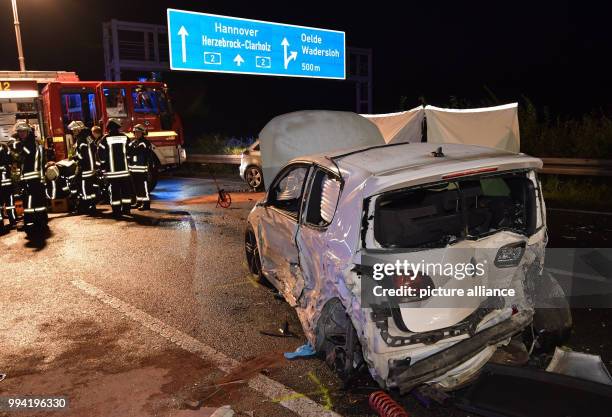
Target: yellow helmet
[
  {"x": 19, "y": 126},
  {"x": 76, "y": 125},
  {"x": 140, "y": 128}
]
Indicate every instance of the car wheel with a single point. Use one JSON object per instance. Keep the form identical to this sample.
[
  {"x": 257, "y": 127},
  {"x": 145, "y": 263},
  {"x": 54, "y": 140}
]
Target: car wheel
[
  {"x": 252, "y": 255},
  {"x": 254, "y": 177},
  {"x": 337, "y": 339}
]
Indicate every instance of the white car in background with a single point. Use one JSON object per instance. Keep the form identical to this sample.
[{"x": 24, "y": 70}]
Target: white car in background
[
  {"x": 250, "y": 167},
  {"x": 328, "y": 218}
]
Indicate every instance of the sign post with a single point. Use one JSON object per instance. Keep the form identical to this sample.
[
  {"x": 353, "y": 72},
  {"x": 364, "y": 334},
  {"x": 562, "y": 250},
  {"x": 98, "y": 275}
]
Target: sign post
[{"x": 212, "y": 43}]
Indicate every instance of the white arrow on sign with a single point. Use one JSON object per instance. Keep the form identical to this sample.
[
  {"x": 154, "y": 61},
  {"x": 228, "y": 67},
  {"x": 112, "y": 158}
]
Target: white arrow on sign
[
  {"x": 238, "y": 60},
  {"x": 183, "y": 34},
  {"x": 292, "y": 56}
]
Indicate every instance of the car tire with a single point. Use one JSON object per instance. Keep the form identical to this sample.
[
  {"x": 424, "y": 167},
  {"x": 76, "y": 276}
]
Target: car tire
[
  {"x": 252, "y": 255},
  {"x": 253, "y": 176},
  {"x": 337, "y": 341}
]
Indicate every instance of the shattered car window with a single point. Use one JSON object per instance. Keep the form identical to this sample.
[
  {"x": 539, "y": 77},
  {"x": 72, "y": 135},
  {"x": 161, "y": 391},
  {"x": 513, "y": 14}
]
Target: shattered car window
[
  {"x": 287, "y": 193},
  {"x": 329, "y": 198},
  {"x": 323, "y": 198},
  {"x": 436, "y": 215}
]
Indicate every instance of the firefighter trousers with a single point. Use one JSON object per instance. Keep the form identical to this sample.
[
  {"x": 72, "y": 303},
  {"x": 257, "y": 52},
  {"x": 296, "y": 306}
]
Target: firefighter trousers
[
  {"x": 35, "y": 204},
  {"x": 7, "y": 199},
  {"x": 120, "y": 193},
  {"x": 141, "y": 187},
  {"x": 87, "y": 192}
]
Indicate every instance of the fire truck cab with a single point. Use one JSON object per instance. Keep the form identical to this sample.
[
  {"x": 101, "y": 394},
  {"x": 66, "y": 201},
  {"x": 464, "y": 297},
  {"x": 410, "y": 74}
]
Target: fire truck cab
[{"x": 132, "y": 102}]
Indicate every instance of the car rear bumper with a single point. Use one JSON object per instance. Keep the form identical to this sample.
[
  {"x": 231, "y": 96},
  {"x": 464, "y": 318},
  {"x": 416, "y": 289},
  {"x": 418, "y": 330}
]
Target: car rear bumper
[{"x": 409, "y": 376}]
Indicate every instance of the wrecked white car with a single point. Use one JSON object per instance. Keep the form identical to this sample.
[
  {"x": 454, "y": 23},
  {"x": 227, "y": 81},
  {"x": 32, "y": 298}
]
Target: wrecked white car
[{"x": 329, "y": 220}]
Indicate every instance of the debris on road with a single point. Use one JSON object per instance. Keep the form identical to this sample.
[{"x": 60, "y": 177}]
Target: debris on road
[
  {"x": 237, "y": 197},
  {"x": 304, "y": 351},
  {"x": 579, "y": 365},
  {"x": 283, "y": 331},
  {"x": 385, "y": 406}
]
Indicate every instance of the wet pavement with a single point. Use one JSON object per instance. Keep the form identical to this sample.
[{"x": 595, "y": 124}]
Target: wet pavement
[{"x": 158, "y": 315}]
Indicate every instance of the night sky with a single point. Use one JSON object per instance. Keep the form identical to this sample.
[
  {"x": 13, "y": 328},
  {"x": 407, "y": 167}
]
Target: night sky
[{"x": 555, "y": 53}]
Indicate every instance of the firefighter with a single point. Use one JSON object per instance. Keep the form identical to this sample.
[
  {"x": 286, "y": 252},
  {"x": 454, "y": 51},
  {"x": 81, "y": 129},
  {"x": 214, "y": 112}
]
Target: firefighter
[
  {"x": 7, "y": 188},
  {"x": 85, "y": 157},
  {"x": 140, "y": 156},
  {"x": 96, "y": 134},
  {"x": 32, "y": 156},
  {"x": 112, "y": 153},
  {"x": 99, "y": 184}
]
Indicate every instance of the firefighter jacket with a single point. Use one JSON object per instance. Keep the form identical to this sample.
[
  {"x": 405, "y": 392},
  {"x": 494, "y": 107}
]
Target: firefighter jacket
[
  {"x": 6, "y": 162},
  {"x": 113, "y": 155},
  {"x": 140, "y": 155},
  {"x": 85, "y": 154},
  {"x": 32, "y": 156}
]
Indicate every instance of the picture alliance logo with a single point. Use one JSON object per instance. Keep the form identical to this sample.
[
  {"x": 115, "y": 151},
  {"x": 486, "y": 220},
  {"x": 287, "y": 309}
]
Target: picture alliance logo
[{"x": 459, "y": 270}]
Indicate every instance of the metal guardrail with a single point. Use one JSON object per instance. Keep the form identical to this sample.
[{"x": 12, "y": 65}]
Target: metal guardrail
[
  {"x": 577, "y": 166},
  {"x": 559, "y": 166},
  {"x": 213, "y": 159}
]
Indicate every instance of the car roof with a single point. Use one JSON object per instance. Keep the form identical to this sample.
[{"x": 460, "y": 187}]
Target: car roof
[
  {"x": 391, "y": 166},
  {"x": 379, "y": 160},
  {"x": 382, "y": 160}
]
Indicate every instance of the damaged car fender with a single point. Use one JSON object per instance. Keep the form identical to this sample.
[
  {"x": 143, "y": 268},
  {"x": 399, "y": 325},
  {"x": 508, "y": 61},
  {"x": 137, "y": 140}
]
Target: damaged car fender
[{"x": 329, "y": 220}]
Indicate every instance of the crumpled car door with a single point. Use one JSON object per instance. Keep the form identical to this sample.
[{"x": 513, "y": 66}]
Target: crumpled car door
[
  {"x": 312, "y": 239},
  {"x": 279, "y": 251},
  {"x": 278, "y": 228}
]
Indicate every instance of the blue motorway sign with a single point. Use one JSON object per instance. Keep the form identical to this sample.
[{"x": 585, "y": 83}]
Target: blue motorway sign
[{"x": 207, "y": 42}]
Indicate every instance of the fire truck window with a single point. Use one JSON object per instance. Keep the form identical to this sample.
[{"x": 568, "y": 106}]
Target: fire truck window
[
  {"x": 93, "y": 112},
  {"x": 115, "y": 102},
  {"x": 72, "y": 107},
  {"x": 79, "y": 106},
  {"x": 149, "y": 101}
]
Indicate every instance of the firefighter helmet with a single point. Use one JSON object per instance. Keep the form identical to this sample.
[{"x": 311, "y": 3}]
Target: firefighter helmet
[
  {"x": 140, "y": 128},
  {"x": 96, "y": 129},
  {"x": 76, "y": 125},
  {"x": 52, "y": 172},
  {"x": 113, "y": 121},
  {"x": 19, "y": 126}
]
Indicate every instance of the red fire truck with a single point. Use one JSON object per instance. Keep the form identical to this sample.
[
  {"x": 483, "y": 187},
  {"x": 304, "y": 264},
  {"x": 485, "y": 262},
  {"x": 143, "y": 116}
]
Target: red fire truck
[{"x": 65, "y": 98}]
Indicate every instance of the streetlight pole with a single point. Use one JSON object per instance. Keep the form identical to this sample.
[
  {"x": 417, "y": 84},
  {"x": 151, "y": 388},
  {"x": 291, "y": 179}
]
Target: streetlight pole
[{"x": 18, "y": 36}]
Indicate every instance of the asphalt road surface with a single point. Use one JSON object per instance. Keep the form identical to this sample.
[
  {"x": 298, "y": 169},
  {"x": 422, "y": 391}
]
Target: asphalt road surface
[{"x": 157, "y": 315}]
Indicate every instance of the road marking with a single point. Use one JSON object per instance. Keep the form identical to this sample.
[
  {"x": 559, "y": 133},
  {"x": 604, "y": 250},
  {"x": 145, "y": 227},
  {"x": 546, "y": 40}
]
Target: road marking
[
  {"x": 322, "y": 390},
  {"x": 271, "y": 389}
]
